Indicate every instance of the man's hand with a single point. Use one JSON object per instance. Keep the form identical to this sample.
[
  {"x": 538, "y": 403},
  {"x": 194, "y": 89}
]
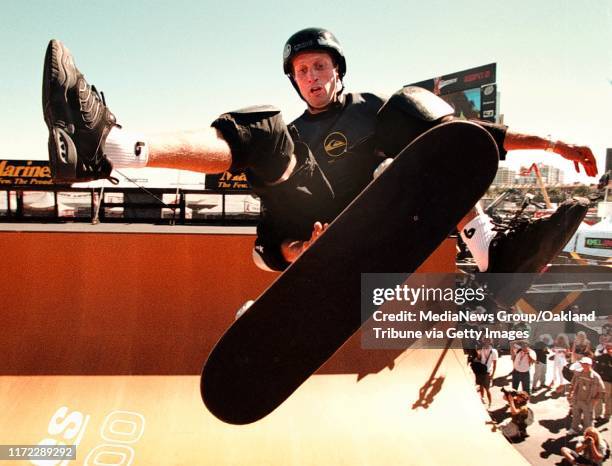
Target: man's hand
[
  {"x": 317, "y": 230},
  {"x": 580, "y": 155},
  {"x": 292, "y": 249},
  {"x": 382, "y": 166}
]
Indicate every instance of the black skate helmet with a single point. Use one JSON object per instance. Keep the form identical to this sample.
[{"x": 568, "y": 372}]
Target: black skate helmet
[{"x": 313, "y": 39}]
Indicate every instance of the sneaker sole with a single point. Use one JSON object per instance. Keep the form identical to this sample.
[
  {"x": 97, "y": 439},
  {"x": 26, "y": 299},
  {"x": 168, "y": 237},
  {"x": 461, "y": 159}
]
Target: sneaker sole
[
  {"x": 566, "y": 220},
  {"x": 62, "y": 156},
  {"x": 59, "y": 68},
  {"x": 570, "y": 215},
  {"x": 59, "y": 71}
]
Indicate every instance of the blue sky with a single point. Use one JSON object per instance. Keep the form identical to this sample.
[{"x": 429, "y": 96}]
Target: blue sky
[{"x": 176, "y": 65}]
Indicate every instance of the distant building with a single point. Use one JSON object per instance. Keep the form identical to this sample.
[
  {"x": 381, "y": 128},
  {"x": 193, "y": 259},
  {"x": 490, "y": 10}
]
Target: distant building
[
  {"x": 550, "y": 175},
  {"x": 504, "y": 177}
]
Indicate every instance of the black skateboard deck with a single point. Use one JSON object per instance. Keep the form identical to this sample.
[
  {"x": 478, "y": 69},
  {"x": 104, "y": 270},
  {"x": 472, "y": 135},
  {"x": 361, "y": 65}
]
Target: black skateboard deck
[{"x": 310, "y": 310}]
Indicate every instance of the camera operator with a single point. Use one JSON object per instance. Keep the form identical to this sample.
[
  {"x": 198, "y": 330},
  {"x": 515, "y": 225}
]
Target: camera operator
[
  {"x": 520, "y": 415},
  {"x": 592, "y": 450}
]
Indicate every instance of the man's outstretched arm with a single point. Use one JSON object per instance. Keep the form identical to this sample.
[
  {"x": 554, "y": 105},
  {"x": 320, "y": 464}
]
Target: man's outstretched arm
[{"x": 580, "y": 155}]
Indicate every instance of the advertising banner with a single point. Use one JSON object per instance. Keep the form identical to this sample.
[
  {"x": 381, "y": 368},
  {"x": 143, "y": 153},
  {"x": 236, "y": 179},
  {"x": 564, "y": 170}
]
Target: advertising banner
[
  {"x": 227, "y": 180},
  {"x": 21, "y": 173},
  {"x": 472, "y": 92}
]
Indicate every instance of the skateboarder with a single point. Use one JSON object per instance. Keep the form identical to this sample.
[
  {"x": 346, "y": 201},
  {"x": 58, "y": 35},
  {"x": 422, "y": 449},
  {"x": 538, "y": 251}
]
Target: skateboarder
[{"x": 305, "y": 174}]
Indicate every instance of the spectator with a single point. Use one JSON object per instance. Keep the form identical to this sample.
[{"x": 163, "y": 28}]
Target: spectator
[
  {"x": 581, "y": 347},
  {"x": 470, "y": 344},
  {"x": 603, "y": 366},
  {"x": 560, "y": 350},
  {"x": 520, "y": 415},
  {"x": 541, "y": 351},
  {"x": 487, "y": 356},
  {"x": 523, "y": 357},
  {"x": 592, "y": 450},
  {"x": 603, "y": 342},
  {"x": 586, "y": 389}
]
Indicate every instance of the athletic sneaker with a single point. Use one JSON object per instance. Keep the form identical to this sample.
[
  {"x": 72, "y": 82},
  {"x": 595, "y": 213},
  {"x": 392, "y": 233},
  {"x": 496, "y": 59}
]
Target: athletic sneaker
[
  {"x": 78, "y": 120},
  {"x": 526, "y": 246}
]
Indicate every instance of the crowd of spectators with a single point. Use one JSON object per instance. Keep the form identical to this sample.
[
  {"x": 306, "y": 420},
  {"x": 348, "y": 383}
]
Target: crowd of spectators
[{"x": 568, "y": 366}]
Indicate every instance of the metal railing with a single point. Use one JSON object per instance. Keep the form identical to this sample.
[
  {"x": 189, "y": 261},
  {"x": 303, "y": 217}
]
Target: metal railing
[{"x": 128, "y": 205}]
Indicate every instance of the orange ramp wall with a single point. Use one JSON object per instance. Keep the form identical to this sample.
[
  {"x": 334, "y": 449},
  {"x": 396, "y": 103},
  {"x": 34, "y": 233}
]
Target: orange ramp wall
[{"x": 137, "y": 303}]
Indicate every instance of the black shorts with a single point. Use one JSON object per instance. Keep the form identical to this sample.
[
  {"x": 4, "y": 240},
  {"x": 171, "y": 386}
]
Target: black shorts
[
  {"x": 261, "y": 146},
  {"x": 483, "y": 380}
]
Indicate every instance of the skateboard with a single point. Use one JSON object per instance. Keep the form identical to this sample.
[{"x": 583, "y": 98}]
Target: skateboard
[{"x": 311, "y": 309}]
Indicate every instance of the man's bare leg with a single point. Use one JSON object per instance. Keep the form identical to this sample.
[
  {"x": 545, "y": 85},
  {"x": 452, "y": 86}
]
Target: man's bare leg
[
  {"x": 86, "y": 142},
  {"x": 203, "y": 150}
]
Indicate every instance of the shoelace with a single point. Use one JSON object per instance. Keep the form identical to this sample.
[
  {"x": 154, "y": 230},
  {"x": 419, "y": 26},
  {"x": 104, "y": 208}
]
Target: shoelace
[
  {"x": 518, "y": 221},
  {"x": 98, "y": 155}
]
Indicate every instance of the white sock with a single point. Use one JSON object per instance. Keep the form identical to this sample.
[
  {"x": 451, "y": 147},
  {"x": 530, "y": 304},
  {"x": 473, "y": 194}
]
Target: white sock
[
  {"x": 125, "y": 149},
  {"x": 477, "y": 235}
]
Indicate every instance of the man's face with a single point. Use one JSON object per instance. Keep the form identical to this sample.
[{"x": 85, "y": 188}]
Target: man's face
[
  {"x": 586, "y": 368},
  {"x": 317, "y": 79}
]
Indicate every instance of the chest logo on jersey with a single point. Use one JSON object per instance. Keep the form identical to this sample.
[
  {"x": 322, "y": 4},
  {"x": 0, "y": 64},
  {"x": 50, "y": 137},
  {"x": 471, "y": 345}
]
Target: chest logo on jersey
[{"x": 335, "y": 144}]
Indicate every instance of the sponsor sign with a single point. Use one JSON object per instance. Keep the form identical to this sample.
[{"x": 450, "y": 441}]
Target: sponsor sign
[
  {"x": 227, "y": 180},
  {"x": 460, "y": 80},
  {"x": 472, "y": 93},
  {"x": 598, "y": 243},
  {"x": 17, "y": 173},
  {"x": 488, "y": 102}
]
